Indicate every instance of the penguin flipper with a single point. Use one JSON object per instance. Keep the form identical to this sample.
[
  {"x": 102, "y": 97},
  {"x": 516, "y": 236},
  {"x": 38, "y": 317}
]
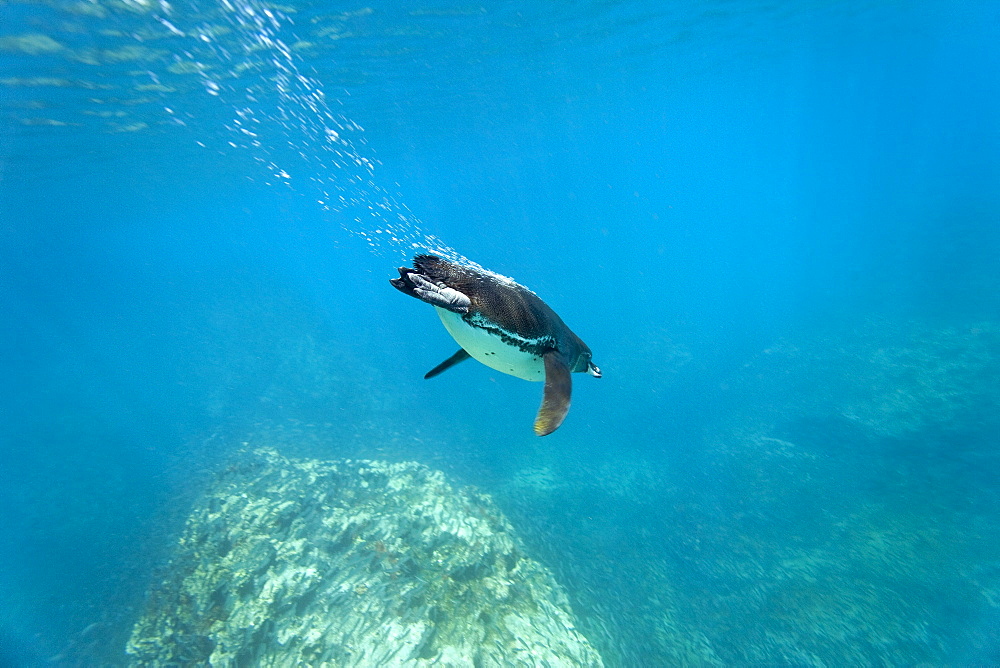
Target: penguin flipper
[
  {"x": 460, "y": 356},
  {"x": 558, "y": 387}
]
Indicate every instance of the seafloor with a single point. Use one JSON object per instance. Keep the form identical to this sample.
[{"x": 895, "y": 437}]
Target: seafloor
[
  {"x": 838, "y": 509},
  {"x": 352, "y": 563}
]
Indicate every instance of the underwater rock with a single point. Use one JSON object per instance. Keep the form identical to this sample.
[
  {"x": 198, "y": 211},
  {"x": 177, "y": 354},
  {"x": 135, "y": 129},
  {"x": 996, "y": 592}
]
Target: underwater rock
[{"x": 352, "y": 563}]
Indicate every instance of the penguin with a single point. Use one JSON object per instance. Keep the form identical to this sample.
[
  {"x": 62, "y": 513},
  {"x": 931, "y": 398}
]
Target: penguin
[{"x": 504, "y": 325}]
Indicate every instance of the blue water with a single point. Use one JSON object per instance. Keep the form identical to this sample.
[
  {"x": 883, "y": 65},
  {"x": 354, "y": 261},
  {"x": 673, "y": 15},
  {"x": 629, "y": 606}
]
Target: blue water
[{"x": 776, "y": 225}]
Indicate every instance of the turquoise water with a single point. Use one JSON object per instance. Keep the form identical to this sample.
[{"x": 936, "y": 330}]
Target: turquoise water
[{"x": 776, "y": 225}]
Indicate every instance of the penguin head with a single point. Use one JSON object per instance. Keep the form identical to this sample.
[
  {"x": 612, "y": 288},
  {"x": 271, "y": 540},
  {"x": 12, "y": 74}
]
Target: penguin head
[{"x": 582, "y": 362}]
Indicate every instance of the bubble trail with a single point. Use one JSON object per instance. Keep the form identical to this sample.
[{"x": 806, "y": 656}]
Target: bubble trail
[{"x": 283, "y": 118}]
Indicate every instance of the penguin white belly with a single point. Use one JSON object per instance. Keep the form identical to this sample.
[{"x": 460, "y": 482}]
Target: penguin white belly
[{"x": 491, "y": 350}]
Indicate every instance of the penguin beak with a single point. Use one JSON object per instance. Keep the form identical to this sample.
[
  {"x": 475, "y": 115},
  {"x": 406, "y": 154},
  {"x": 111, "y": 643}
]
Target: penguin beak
[{"x": 593, "y": 370}]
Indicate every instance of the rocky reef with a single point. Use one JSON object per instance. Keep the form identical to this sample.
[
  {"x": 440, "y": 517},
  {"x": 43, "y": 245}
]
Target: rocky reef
[{"x": 352, "y": 563}]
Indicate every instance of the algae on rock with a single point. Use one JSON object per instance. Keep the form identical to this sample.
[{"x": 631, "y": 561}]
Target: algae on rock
[{"x": 352, "y": 563}]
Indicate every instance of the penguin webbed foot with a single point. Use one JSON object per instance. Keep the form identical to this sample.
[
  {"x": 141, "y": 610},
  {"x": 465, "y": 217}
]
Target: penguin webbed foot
[{"x": 435, "y": 294}]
